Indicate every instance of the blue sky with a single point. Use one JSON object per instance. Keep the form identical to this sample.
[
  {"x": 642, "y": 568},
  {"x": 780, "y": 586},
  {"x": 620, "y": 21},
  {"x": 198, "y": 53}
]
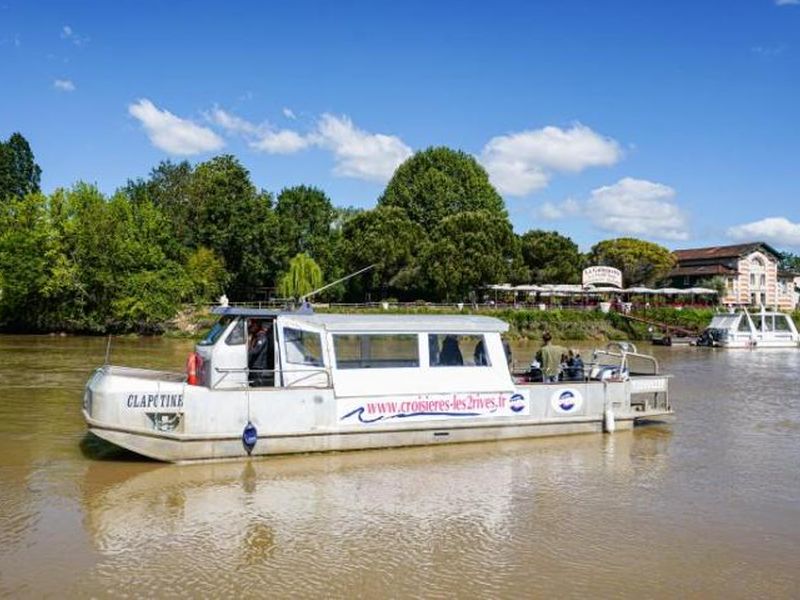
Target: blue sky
[{"x": 672, "y": 121}]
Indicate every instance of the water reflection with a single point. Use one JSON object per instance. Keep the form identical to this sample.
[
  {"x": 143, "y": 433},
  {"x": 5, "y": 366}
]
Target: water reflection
[{"x": 326, "y": 515}]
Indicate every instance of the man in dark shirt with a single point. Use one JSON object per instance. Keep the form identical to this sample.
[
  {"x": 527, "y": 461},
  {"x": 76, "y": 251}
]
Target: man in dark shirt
[{"x": 260, "y": 354}]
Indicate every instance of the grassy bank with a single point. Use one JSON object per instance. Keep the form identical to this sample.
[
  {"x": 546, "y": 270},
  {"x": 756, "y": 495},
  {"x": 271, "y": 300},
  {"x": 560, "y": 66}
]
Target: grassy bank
[{"x": 525, "y": 323}]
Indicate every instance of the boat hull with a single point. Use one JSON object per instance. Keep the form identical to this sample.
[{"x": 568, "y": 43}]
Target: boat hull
[
  {"x": 749, "y": 345},
  {"x": 175, "y": 422}
]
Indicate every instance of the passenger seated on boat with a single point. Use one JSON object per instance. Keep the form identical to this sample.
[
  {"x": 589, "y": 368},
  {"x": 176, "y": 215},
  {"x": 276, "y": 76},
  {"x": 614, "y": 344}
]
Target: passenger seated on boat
[
  {"x": 535, "y": 374},
  {"x": 260, "y": 354},
  {"x": 573, "y": 371},
  {"x": 451, "y": 354}
]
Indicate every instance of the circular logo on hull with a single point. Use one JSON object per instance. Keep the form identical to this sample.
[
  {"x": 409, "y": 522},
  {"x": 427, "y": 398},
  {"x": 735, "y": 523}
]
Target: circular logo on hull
[
  {"x": 517, "y": 403},
  {"x": 566, "y": 401}
]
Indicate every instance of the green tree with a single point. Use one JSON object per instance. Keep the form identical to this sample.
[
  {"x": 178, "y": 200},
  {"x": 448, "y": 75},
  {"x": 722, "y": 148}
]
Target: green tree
[
  {"x": 468, "y": 251},
  {"x": 305, "y": 219},
  {"x": 169, "y": 188},
  {"x": 19, "y": 173},
  {"x": 439, "y": 182},
  {"x": 641, "y": 262},
  {"x": 551, "y": 257},
  {"x": 387, "y": 238},
  {"x": 344, "y": 214},
  {"x": 718, "y": 284},
  {"x": 147, "y": 285},
  {"x": 24, "y": 244},
  {"x": 304, "y": 276},
  {"x": 207, "y": 274},
  {"x": 236, "y": 222},
  {"x": 789, "y": 262}
]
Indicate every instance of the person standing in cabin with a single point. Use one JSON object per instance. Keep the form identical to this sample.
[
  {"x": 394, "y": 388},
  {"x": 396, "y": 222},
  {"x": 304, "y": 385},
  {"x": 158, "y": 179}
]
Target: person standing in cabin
[
  {"x": 549, "y": 357},
  {"x": 260, "y": 354}
]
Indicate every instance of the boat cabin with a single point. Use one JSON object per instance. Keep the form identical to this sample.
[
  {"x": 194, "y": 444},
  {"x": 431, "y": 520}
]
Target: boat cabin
[{"x": 355, "y": 354}]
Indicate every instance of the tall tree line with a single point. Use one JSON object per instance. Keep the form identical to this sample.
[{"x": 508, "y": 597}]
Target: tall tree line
[{"x": 77, "y": 260}]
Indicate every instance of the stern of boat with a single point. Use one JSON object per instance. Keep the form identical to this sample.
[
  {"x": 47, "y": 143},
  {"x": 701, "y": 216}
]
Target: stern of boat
[{"x": 128, "y": 407}]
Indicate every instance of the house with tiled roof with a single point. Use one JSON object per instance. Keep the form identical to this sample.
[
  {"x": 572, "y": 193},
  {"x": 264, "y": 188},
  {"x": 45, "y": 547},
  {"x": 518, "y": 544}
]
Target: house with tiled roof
[{"x": 750, "y": 271}]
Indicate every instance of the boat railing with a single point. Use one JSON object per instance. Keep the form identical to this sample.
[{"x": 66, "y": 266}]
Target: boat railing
[
  {"x": 623, "y": 352},
  {"x": 138, "y": 373},
  {"x": 303, "y": 380}
]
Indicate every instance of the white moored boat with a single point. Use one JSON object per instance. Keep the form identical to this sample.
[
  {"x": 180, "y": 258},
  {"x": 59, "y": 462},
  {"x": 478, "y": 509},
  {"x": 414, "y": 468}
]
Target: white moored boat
[
  {"x": 344, "y": 382},
  {"x": 765, "y": 329}
]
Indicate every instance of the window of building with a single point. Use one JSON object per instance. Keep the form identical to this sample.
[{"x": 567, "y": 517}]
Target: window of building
[
  {"x": 376, "y": 351},
  {"x": 457, "y": 350},
  {"x": 302, "y": 347}
]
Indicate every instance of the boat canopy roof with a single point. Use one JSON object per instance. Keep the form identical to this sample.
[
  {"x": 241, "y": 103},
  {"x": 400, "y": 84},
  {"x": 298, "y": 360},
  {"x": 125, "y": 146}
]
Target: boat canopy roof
[
  {"x": 243, "y": 311},
  {"x": 375, "y": 322},
  {"x": 340, "y": 323}
]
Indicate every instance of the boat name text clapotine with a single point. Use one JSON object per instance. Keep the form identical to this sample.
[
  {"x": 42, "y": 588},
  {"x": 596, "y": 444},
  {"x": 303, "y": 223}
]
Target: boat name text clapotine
[{"x": 155, "y": 401}]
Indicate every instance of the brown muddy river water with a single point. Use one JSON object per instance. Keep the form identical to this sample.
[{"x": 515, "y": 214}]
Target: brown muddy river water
[{"x": 708, "y": 506}]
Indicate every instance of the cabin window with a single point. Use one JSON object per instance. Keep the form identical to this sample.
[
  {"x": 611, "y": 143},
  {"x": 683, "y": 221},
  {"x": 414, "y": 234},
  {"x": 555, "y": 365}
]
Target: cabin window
[
  {"x": 457, "y": 350},
  {"x": 236, "y": 336},
  {"x": 782, "y": 323},
  {"x": 216, "y": 331},
  {"x": 744, "y": 325},
  {"x": 302, "y": 347},
  {"x": 376, "y": 351}
]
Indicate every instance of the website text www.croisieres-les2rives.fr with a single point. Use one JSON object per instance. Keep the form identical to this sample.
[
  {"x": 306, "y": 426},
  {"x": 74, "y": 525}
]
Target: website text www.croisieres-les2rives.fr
[{"x": 467, "y": 403}]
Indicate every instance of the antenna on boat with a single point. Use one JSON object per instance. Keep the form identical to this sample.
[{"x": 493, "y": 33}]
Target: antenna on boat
[
  {"x": 108, "y": 349},
  {"x": 305, "y": 297}
]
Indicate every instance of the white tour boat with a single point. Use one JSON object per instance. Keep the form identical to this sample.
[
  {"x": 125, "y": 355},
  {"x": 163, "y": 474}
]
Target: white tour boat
[
  {"x": 344, "y": 382},
  {"x": 765, "y": 329}
]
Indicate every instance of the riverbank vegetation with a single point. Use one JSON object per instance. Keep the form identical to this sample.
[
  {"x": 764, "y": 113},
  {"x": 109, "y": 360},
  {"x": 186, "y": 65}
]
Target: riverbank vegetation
[
  {"x": 77, "y": 260},
  {"x": 525, "y": 323}
]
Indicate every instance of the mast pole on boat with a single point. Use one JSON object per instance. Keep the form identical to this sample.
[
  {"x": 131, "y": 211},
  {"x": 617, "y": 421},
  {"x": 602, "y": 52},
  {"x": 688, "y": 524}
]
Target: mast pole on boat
[{"x": 305, "y": 297}]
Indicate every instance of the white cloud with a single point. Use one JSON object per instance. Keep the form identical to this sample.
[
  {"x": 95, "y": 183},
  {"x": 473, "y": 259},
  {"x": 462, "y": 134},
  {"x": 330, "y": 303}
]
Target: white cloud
[
  {"x": 357, "y": 153},
  {"x": 64, "y": 85},
  {"x": 638, "y": 207},
  {"x": 284, "y": 141},
  {"x": 171, "y": 133},
  {"x": 231, "y": 123},
  {"x": 69, "y": 34},
  {"x": 360, "y": 154},
  {"x": 523, "y": 162},
  {"x": 289, "y": 113},
  {"x": 551, "y": 211},
  {"x": 786, "y": 2},
  {"x": 777, "y": 230},
  {"x": 260, "y": 136}
]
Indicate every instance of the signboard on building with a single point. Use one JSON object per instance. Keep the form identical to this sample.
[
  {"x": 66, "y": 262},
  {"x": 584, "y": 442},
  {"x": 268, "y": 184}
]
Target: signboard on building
[{"x": 602, "y": 276}]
